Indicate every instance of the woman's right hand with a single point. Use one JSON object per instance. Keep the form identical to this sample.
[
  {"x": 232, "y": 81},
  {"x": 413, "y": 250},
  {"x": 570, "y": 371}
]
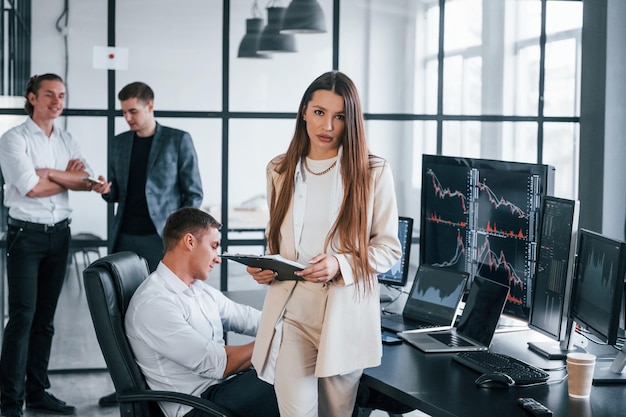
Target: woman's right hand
[{"x": 261, "y": 276}]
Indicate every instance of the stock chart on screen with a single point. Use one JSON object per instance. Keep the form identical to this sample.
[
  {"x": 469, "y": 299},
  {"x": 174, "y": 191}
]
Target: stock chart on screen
[{"x": 481, "y": 216}]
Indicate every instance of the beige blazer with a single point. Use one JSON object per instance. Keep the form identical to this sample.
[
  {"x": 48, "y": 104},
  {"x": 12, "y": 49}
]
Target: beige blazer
[{"x": 350, "y": 338}]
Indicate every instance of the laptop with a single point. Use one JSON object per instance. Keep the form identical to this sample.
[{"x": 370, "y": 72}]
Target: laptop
[
  {"x": 485, "y": 302},
  {"x": 433, "y": 301}
]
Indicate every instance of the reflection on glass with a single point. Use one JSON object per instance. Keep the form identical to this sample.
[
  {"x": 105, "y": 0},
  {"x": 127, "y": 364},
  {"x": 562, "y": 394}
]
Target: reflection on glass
[
  {"x": 563, "y": 16},
  {"x": 207, "y": 139},
  {"x": 276, "y": 84},
  {"x": 86, "y": 85},
  {"x": 89, "y": 213},
  {"x": 425, "y": 61},
  {"x": 386, "y": 51},
  {"x": 9, "y": 121},
  {"x": 9, "y": 102},
  {"x": 561, "y": 149},
  {"x": 402, "y": 144},
  {"x": 253, "y": 143},
  {"x": 182, "y": 64},
  {"x": 563, "y": 52},
  {"x": 507, "y": 141},
  {"x": 562, "y": 70},
  {"x": 527, "y": 81},
  {"x": 485, "y": 45},
  {"x": 463, "y": 24}
]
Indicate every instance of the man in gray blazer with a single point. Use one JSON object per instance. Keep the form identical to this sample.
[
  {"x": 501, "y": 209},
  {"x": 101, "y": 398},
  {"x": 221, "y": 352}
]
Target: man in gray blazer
[{"x": 153, "y": 171}]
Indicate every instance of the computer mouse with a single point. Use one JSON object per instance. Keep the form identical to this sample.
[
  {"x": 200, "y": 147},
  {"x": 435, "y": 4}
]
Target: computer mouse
[{"x": 495, "y": 380}]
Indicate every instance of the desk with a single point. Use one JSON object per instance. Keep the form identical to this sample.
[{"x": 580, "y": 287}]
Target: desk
[{"x": 436, "y": 385}]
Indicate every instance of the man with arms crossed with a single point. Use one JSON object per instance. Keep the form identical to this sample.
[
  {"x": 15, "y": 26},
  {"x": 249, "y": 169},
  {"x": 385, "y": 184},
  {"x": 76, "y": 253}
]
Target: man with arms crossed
[
  {"x": 175, "y": 324},
  {"x": 40, "y": 163}
]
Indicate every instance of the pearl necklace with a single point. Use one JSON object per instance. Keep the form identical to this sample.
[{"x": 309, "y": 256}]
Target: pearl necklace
[{"x": 326, "y": 171}]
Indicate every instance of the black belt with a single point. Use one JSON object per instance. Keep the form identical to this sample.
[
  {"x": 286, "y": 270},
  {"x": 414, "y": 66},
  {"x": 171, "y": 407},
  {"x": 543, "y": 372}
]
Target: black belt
[{"x": 39, "y": 227}]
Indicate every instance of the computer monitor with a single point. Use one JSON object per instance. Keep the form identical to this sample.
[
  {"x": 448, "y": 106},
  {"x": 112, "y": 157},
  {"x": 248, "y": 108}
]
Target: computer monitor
[
  {"x": 482, "y": 216},
  {"x": 597, "y": 296},
  {"x": 552, "y": 284},
  {"x": 398, "y": 275}
]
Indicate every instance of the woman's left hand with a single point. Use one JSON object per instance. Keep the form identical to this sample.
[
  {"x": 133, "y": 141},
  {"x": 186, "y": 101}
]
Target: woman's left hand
[
  {"x": 324, "y": 267},
  {"x": 262, "y": 276}
]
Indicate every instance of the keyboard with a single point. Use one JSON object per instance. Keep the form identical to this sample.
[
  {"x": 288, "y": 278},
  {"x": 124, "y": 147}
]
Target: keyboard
[{"x": 487, "y": 362}]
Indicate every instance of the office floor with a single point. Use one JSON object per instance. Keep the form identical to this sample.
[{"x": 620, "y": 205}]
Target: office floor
[{"x": 78, "y": 372}]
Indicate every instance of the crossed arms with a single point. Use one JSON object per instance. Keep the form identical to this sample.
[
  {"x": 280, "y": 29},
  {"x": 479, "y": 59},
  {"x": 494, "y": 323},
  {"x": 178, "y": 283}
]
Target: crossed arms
[{"x": 54, "y": 181}]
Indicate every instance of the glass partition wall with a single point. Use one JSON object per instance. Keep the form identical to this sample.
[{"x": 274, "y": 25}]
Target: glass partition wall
[{"x": 495, "y": 79}]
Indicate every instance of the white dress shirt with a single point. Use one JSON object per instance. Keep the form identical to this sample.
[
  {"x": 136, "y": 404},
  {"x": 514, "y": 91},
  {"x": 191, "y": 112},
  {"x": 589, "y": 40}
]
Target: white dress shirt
[
  {"x": 25, "y": 148},
  {"x": 177, "y": 333}
]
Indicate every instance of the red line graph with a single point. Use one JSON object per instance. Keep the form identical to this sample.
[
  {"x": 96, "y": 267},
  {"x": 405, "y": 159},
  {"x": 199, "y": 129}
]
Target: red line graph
[
  {"x": 460, "y": 250},
  {"x": 494, "y": 229},
  {"x": 496, "y": 261},
  {"x": 442, "y": 192},
  {"x": 434, "y": 217},
  {"x": 498, "y": 202}
]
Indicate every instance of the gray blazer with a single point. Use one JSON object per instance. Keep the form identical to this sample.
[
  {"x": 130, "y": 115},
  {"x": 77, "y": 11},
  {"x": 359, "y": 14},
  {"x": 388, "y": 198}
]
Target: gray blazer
[{"x": 173, "y": 177}]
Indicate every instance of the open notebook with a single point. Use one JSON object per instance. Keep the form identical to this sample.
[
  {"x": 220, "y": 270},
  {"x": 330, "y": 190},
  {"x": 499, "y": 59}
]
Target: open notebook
[
  {"x": 432, "y": 302},
  {"x": 477, "y": 324}
]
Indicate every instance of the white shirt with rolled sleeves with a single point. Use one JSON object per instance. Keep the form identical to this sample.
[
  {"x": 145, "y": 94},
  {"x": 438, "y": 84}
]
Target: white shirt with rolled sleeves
[
  {"x": 25, "y": 148},
  {"x": 176, "y": 333}
]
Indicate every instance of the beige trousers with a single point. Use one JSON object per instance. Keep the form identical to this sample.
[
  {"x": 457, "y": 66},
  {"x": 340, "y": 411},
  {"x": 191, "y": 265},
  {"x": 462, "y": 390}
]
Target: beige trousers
[{"x": 300, "y": 393}]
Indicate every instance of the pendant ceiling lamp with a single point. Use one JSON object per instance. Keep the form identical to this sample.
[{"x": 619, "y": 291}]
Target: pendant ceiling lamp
[
  {"x": 271, "y": 38},
  {"x": 249, "y": 46},
  {"x": 304, "y": 16}
]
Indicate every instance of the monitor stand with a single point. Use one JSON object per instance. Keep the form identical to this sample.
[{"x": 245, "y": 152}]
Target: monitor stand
[
  {"x": 553, "y": 350},
  {"x": 612, "y": 374}
]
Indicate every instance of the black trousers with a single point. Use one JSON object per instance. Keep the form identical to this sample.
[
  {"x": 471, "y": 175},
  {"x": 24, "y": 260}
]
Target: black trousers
[
  {"x": 36, "y": 265},
  {"x": 244, "y": 394},
  {"x": 149, "y": 247}
]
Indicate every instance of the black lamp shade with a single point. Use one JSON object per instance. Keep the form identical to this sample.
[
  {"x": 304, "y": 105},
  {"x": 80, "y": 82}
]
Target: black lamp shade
[
  {"x": 304, "y": 16},
  {"x": 249, "y": 46},
  {"x": 271, "y": 38}
]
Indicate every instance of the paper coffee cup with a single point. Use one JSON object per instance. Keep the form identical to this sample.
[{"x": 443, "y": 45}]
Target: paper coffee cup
[{"x": 580, "y": 367}]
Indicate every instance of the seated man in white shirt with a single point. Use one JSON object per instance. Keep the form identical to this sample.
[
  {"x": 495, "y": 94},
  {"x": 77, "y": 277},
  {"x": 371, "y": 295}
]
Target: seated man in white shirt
[{"x": 175, "y": 324}]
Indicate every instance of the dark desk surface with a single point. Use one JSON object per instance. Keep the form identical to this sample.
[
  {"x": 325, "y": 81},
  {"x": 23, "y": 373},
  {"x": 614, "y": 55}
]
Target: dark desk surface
[{"x": 436, "y": 385}]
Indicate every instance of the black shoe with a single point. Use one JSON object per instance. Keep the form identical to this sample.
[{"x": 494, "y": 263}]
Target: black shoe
[
  {"x": 48, "y": 403},
  {"x": 108, "y": 400},
  {"x": 12, "y": 412}
]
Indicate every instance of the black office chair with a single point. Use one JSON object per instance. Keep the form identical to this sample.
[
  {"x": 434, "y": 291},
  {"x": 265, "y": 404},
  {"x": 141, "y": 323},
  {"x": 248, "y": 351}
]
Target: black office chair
[{"x": 110, "y": 282}]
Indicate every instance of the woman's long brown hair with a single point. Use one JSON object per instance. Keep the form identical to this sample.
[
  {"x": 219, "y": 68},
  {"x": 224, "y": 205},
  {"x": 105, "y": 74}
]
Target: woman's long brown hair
[{"x": 356, "y": 161}]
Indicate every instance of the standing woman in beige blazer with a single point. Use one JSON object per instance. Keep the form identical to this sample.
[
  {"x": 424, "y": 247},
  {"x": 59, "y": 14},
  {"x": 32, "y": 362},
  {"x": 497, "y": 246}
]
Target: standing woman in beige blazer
[{"x": 332, "y": 208}]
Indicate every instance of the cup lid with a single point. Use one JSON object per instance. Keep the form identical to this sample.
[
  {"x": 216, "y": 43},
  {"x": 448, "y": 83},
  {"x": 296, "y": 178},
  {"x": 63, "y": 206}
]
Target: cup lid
[{"x": 581, "y": 358}]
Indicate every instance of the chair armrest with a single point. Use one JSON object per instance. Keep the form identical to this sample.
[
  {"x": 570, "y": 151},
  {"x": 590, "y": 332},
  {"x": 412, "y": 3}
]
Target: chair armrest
[{"x": 175, "y": 397}]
